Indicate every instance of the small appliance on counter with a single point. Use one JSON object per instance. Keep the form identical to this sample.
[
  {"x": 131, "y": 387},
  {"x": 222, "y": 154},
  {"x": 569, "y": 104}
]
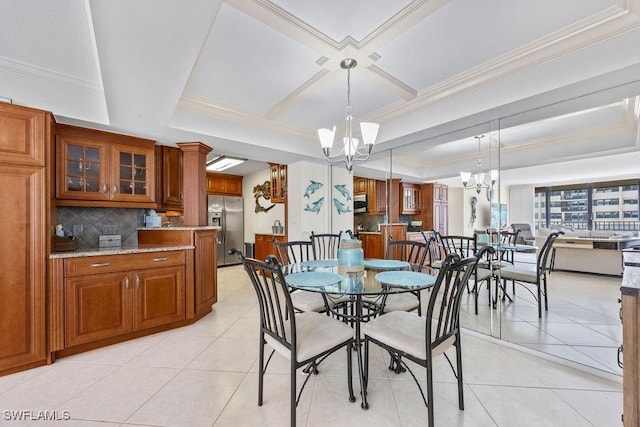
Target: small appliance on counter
[{"x": 414, "y": 226}]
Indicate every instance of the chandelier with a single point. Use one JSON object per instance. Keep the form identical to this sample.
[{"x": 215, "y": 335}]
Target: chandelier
[
  {"x": 480, "y": 179},
  {"x": 351, "y": 150}
]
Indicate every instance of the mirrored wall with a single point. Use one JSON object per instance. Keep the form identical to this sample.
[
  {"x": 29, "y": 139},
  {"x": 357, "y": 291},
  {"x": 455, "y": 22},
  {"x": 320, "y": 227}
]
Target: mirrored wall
[{"x": 590, "y": 138}]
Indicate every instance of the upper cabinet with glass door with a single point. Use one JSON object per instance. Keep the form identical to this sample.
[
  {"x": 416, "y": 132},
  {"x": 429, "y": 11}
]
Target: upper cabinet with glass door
[{"x": 95, "y": 168}]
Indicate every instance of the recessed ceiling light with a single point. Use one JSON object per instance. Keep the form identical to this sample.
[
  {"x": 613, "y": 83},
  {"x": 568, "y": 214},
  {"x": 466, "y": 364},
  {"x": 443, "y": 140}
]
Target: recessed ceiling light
[{"x": 221, "y": 163}]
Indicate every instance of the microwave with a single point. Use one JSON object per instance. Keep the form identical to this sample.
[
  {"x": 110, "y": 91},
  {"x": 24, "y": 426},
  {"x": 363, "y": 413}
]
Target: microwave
[{"x": 360, "y": 203}]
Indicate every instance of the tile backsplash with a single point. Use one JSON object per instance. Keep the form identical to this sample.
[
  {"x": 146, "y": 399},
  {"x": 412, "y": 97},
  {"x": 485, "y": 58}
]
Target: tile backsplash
[{"x": 92, "y": 220}]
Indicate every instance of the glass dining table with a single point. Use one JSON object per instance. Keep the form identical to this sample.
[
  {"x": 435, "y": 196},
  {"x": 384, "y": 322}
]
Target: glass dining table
[{"x": 356, "y": 297}]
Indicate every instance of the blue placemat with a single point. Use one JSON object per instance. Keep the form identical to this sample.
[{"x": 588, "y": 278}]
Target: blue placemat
[
  {"x": 385, "y": 264},
  {"x": 405, "y": 278},
  {"x": 310, "y": 279},
  {"x": 320, "y": 263}
]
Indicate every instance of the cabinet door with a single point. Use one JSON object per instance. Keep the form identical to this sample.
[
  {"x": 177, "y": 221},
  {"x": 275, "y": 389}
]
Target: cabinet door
[
  {"x": 23, "y": 131},
  {"x": 96, "y": 307},
  {"x": 169, "y": 172},
  {"x": 159, "y": 296},
  {"x": 233, "y": 186},
  {"x": 132, "y": 174},
  {"x": 215, "y": 184},
  {"x": 22, "y": 284},
  {"x": 82, "y": 169},
  {"x": 206, "y": 290},
  {"x": 381, "y": 197}
]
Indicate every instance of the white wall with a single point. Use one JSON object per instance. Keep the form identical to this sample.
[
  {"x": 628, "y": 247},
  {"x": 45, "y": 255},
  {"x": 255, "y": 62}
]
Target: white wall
[
  {"x": 458, "y": 216},
  {"x": 260, "y": 222},
  {"x": 521, "y": 204}
]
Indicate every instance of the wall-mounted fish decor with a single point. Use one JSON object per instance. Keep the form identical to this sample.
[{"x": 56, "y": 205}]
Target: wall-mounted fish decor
[
  {"x": 341, "y": 207},
  {"x": 342, "y": 189},
  {"x": 315, "y": 206},
  {"x": 312, "y": 188}
]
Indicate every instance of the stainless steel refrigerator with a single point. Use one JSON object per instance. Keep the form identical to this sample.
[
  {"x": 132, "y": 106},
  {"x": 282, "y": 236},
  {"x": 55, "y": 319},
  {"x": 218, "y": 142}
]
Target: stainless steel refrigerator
[{"x": 228, "y": 213}]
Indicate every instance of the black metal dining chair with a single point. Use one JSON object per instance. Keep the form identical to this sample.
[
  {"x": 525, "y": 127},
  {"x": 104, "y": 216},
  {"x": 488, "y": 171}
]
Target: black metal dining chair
[
  {"x": 415, "y": 253},
  {"x": 305, "y": 339},
  {"x": 420, "y": 339},
  {"x": 296, "y": 252},
  {"x": 325, "y": 245},
  {"x": 533, "y": 274}
]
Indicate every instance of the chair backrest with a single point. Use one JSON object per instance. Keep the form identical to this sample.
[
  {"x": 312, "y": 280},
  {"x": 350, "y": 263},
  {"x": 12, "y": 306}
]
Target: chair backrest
[
  {"x": 277, "y": 315},
  {"x": 509, "y": 238},
  {"x": 524, "y": 232},
  {"x": 325, "y": 246},
  {"x": 443, "y": 310},
  {"x": 543, "y": 261},
  {"x": 414, "y": 252},
  {"x": 434, "y": 240},
  {"x": 294, "y": 252},
  {"x": 464, "y": 246}
]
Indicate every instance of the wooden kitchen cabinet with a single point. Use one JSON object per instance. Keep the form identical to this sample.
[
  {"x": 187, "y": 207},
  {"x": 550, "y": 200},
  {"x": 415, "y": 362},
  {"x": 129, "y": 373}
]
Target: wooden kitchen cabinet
[
  {"x": 410, "y": 198},
  {"x": 360, "y": 185},
  {"x": 206, "y": 271},
  {"x": 111, "y": 295},
  {"x": 265, "y": 246},
  {"x": 278, "y": 178},
  {"x": 372, "y": 245},
  {"x": 95, "y": 168},
  {"x": 224, "y": 184},
  {"x": 25, "y": 136},
  {"x": 169, "y": 178},
  {"x": 434, "y": 207}
]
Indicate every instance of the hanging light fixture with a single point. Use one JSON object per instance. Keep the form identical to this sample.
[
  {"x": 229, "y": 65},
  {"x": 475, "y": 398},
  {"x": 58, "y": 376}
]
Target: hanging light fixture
[
  {"x": 480, "y": 179},
  {"x": 351, "y": 150}
]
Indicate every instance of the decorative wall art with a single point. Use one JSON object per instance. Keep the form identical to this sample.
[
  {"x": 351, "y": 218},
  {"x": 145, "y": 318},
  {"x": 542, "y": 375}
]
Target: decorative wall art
[
  {"x": 474, "y": 211},
  {"x": 308, "y": 192},
  {"x": 263, "y": 191},
  {"x": 315, "y": 206},
  {"x": 340, "y": 206}
]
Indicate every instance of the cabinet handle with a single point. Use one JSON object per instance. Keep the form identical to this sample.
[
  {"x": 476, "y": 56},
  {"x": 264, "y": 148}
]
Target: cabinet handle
[
  {"x": 101, "y": 264},
  {"x": 115, "y": 189},
  {"x": 105, "y": 188},
  {"x": 159, "y": 259},
  {"x": 126, "y": 282},
  {"x": 181, "y": 196},
  {"x": 137, "y": 282}
]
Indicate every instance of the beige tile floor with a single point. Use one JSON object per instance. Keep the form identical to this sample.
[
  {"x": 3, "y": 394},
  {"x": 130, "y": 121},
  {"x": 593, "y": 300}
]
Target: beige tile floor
[
  {"x": 205, "y": 375},
  {"x": 581, "y": 325}
]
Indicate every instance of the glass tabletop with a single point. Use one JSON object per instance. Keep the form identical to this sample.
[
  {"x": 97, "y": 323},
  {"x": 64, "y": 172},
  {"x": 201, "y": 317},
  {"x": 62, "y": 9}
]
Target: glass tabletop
[{"x": 351, "y": 283}]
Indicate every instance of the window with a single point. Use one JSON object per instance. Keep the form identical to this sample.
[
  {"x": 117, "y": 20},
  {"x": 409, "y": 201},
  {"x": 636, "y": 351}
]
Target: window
[{"x": 612, "y": 205}]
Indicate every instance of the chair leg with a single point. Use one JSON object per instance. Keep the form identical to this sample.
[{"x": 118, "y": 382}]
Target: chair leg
[
  {"x": 352, "y": 397},
  {"x": 293, "y": 390},
  {"x": 261, "y": 369},
  {"x": 539, "y": 300},
  {"x": 459, "y": 372},
  {"x": 419, "y": 295},
  {"x": 546, "y": 304},
  {"x": 430, "y": 399}
]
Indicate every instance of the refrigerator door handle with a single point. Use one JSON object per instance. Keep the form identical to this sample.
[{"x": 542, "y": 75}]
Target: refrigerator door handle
[{"x": 218, "y": 240}]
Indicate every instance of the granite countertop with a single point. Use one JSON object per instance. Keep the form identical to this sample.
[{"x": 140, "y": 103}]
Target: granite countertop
[
  {"x": 132, "y": 249},
  {"x": 200, "y": 227}
]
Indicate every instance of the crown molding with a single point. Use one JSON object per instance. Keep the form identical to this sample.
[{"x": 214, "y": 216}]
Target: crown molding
[{"x": 49, "y": 77}]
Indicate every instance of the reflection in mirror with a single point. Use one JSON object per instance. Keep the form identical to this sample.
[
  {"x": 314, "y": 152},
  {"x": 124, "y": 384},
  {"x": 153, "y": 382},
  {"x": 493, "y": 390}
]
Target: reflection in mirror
[{"x": 588, "y": 139}]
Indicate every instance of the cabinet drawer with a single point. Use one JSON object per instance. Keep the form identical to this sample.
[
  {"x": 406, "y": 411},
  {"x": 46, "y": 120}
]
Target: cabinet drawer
[{"x": 112, "y": 263}]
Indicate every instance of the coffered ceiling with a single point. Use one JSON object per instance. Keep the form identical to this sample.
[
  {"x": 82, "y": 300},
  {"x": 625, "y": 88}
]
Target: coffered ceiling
[{"x": 256, "y": 78}]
